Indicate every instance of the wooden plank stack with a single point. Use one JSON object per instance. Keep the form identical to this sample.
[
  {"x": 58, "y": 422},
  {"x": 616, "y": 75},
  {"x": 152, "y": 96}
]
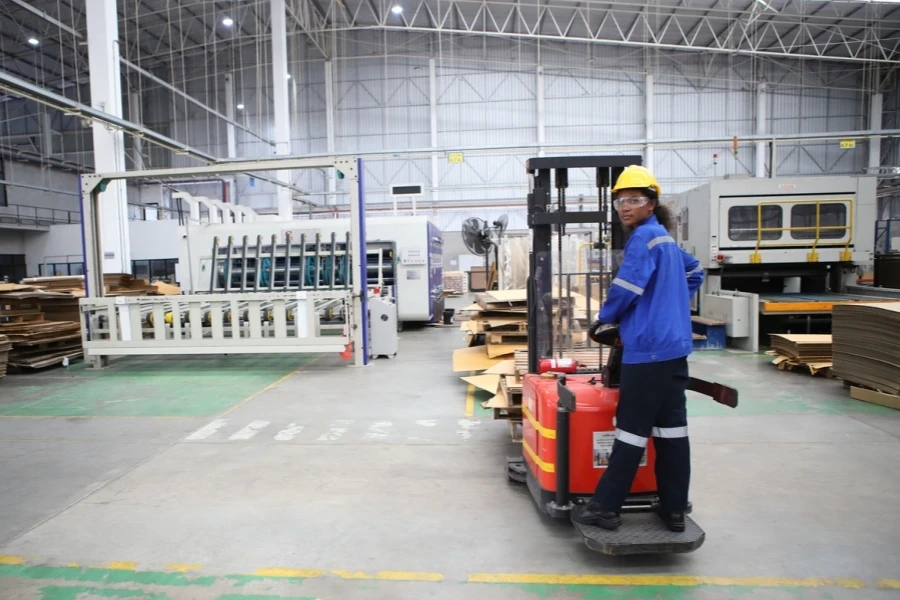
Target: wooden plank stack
[
  {"x": 867, "y": 345},
  {"x": 115, "y": 284},
  {"x": 5, "y": 347},
  {"x": 812, "y": 352},
  {"x": 36, "y": 340}
]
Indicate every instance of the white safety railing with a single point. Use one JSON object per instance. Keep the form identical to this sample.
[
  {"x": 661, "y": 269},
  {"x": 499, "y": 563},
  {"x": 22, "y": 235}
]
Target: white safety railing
[{"x": 250, "y": 323}]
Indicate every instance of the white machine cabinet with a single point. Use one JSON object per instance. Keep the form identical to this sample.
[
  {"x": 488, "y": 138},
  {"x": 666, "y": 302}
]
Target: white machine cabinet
[{"x": 382, "y": 327}]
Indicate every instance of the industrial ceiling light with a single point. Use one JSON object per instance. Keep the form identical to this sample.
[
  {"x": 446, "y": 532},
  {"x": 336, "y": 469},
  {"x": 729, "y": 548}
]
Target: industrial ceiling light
[
  {"x": 397, "y": 9},
  {"x": 240, "y": 107},
  {"x": 33, "y": 41},
  {"x": 227, "y": 21},
  {"x": 288, "y": 75}
]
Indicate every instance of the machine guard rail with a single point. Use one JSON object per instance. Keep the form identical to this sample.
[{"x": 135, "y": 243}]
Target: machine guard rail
[
  {"x": 252, "y": 323},
  {"x": 812, "y": 255}
]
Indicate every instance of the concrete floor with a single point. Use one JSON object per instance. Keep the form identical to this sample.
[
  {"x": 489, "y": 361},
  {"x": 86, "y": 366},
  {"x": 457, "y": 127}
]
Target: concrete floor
[{"x": 282, "y": 477}]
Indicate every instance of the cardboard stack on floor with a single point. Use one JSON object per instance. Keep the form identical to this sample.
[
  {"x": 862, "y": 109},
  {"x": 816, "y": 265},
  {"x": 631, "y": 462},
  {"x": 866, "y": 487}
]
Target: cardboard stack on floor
[
  {"x": 36, "y": 339},
  {"x": 812, "y": 352},
  {"x": 497, "y": 338},
  {"x": 867, "y": 350}
]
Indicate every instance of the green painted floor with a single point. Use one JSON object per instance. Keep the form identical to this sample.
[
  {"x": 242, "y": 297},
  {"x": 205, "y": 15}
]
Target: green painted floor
[{"x": 144, "y": 387}]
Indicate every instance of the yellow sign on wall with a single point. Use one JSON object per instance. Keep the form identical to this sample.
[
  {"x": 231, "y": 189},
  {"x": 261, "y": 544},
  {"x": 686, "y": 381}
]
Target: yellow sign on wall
[
  {"x": 455, "y": 157},
  {"x": 848, "y": 144}
]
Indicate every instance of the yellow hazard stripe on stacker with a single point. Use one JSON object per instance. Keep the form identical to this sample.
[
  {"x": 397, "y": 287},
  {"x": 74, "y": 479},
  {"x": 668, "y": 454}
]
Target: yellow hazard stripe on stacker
[
  {"x": 543, "y": 466},
  {"x": 550, "y": 434}
]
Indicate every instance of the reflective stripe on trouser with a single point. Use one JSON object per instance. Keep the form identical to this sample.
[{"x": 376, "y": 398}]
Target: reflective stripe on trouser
[{"x": 651, "y": 403}]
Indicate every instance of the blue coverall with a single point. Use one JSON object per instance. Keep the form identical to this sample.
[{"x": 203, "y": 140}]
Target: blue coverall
[{"x": 650, "y": 299}]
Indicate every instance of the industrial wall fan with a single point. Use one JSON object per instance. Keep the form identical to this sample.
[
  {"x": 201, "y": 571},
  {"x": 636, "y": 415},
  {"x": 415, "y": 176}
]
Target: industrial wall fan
[{"x": 480, "y": 238}]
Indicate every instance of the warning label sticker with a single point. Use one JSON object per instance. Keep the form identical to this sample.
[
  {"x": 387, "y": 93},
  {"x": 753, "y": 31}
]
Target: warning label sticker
[{"x": 603, "y": 443}]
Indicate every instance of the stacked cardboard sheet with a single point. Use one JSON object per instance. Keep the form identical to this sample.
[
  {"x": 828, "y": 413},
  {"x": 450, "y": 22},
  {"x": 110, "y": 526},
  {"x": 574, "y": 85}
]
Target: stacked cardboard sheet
[
  {"x": 497, "y": 342},
  {"x": 867, "y": 345},
  {"x": 812, "y": 352}
]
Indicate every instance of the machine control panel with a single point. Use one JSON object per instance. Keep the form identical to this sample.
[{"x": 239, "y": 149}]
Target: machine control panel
[{"x": 412, "y": 257}]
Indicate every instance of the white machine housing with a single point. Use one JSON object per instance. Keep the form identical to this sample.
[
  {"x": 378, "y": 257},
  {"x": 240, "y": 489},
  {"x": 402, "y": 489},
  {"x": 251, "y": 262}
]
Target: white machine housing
[
  {"x": 816, "y": 232},
  {"x": 382, "y": 327},
  {"x": 717, "y": 220},
  {"x": 419, "y": 246}
]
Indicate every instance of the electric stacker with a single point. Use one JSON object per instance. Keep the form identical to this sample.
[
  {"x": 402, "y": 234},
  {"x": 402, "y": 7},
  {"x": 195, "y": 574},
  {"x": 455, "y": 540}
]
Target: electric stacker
[{"x": 568, "y": 429}]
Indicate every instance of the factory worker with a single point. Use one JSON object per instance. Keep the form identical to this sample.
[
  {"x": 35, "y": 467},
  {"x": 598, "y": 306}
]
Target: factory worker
[{"x": 650, "y": 300}]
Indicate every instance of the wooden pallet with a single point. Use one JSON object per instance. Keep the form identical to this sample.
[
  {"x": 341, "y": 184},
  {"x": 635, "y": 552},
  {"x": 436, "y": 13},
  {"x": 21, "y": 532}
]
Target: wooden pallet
[
  {"x": 509, "y": 412},
  {"x": 506, "y": 337},
  {"x": 512, "y": 387},
  {"x": 15, "y": 316}
]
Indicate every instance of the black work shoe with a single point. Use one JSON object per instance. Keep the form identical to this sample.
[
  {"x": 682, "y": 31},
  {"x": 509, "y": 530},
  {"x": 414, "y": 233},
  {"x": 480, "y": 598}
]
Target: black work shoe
[
  {"x": 674, "y": 520},
  {"x": 594, "y": 516}
]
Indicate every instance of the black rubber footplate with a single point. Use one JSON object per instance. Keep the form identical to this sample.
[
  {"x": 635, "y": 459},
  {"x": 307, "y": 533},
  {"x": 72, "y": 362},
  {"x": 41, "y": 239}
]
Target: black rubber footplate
[{"x": 642, "y": 533}]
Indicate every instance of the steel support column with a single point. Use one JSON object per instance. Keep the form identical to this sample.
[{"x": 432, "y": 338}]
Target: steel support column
[
  {"x": 109, "y": 145},
  {"x": 329, "y": 129},
  {"x": 137, "y": 144},
  {"x": 649, "y": 118},
  {"x": 762, "y": 105},
  {"x": 876, "y": 107},
  {"x": 230, "y": 133},
  {"x": 282, "y": 113},
  {"x": 541, "y": 130},
  {"x": 432, "y": 99}
]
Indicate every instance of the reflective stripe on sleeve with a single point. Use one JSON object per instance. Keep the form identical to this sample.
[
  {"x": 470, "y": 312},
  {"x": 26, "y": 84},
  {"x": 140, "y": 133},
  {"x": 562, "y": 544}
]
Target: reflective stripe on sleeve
[
  {"x": 628, "y": 286},
  {"x": 631, "y": 439},
  {"x": 663, "y": 239},
  {"x": 695, "y": 271},
  {"x": 670, "y": 432}
]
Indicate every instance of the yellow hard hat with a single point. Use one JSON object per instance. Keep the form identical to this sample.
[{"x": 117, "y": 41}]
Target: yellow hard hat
[{"x": 637, "y": 178}]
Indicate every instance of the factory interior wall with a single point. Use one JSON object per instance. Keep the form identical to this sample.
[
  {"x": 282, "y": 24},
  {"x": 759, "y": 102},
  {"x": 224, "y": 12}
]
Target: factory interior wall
[
  {"x": 62, "y": 243},
  {"x": 12, "y": 241}
]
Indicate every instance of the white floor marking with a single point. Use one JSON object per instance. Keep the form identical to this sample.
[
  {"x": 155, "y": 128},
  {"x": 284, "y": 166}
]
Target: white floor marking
[
  {"x": 338, "y": 428},
  {"x": 289, "y": 432},
  {"x": 427, "y": 422},
  {"x": 207, "y": 430},
  {"x": 466, "y": 426},
  {"x": 378, "y": 430},
  {"x": 249, "y": 430}
]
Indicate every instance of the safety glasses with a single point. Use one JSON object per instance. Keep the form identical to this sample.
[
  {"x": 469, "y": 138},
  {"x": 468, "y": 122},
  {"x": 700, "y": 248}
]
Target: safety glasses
[{"x": 634, "y": 201}]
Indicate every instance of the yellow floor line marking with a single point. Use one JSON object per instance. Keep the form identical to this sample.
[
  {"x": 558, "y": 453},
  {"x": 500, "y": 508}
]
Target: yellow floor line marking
[
  {"x": 271, "y": 386},
  {"x": 183, "y": 568},
  {"x": 6, "y": 559},
  {"x": 470, "y": 400},
  {"x": 391, "y": 575},
  {"x": 665, "y": 580},
  {"x": 121, "y": 565},
  {"x": 889, "y": 584},
  {"x": 285, "y": 572},
  {"x": 73, "y": 566}
]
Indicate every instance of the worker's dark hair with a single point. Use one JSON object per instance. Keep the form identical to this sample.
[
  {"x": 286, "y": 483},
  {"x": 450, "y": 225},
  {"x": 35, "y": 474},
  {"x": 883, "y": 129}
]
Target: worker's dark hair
[{"x": 665, "y": 216}]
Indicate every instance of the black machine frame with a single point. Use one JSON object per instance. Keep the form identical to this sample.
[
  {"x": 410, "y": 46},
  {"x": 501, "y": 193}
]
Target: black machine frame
[{"x": 544, "y": 174}]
